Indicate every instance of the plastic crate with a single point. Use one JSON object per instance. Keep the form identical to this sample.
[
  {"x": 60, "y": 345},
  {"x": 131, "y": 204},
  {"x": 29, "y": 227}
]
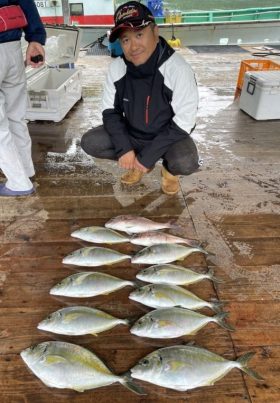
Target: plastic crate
[{"x": 253, "y": 65}]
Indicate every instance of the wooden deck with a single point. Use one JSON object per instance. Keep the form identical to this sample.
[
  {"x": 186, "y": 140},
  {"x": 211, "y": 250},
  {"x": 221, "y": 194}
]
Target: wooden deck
[{"x": 232, "y": 204}]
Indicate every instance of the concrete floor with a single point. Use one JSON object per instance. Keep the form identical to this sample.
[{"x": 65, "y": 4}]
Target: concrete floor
[{"x": 231, "y": 204}]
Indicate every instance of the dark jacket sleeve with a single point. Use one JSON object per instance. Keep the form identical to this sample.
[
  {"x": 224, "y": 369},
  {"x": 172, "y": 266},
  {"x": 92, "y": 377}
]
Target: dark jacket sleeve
[{"x": 34, "y": 31}]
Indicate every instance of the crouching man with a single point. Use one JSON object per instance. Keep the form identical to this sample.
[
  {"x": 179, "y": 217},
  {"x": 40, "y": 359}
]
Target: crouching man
[{"x": 149, "y": 104}]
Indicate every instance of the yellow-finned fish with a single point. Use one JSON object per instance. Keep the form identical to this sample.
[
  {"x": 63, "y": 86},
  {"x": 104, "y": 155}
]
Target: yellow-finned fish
[
  {"x": 99, "y": 235},
  {"x": 88, "y": 284},
  {"x": 172, "y": 274},
  {"x": 68, "y": 366},
  {"x": 168, "y": 323},
  {"x": 93, "y": 256},
  {"x": 186, "y": 367},
  {"x": 167, "y": 296},
  {"x": 79, "y": 320},
  {"x": 164, "y": 253}
]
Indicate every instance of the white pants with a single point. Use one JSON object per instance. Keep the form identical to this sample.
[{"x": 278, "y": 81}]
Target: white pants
[{"x": 15, "y": 143}]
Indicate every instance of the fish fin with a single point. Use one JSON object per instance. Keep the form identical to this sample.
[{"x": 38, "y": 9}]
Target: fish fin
[
  {"x": 219, "y": 318},
  {"x": 243, "y": 361},
  {"x": 79, "y": 390},
  {"x": 217, "y": 305},
  {"x": 128, "y": 383},
  {"x": 210, "y": 275},
  {"x": 94, "y": 334},
  {"x": 137, "y": 283}
]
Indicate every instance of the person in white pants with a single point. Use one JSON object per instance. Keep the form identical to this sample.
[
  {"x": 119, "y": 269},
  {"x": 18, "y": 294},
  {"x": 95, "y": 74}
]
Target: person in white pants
[
  {"x": 15, "y": 142},
  {"x": 15, "y": 151}
]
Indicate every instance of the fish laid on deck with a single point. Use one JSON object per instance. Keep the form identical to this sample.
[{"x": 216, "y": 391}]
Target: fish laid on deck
[
  {"x": 99, "y": 235},
  {"x": 93, "y": 256},
  {"x": 154, "y": 238},
  {"x": 186, "y": 367},
  {"x": 167, "y": 296},
  {"x": 135, "y": 224},
  {"x": 66, "y": 365},
  {"x": 172, "y": 274},
  {"x": 88, "y": 284},
  {"x": 79, "y": 320},
  {"x": 164, "y": 253},
  {"x": 168, "y": 323}
]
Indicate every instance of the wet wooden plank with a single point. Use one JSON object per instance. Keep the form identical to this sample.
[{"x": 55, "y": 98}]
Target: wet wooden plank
[{"x": 267, "y": 359}]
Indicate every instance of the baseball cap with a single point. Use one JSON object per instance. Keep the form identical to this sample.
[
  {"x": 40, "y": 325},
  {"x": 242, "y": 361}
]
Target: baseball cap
[{"x": 131, "y": 15}]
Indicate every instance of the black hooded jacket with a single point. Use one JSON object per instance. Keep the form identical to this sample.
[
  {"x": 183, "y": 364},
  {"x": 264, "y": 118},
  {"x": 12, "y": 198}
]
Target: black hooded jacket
[{"x": 156, "y": 101}]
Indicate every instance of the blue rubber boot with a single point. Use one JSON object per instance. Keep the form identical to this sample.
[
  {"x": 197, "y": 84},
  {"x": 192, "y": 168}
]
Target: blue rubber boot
[{"x": 4, "y": 191}]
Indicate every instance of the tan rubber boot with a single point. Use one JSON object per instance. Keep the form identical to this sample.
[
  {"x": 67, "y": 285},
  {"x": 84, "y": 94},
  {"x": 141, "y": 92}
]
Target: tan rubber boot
[
  {"x": 169, "y": 183},
  {"x": 131, "y": 177}
]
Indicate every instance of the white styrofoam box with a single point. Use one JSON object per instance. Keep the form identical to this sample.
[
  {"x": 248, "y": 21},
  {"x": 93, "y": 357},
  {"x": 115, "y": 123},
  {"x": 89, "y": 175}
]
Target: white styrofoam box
[
  {"x": 52, "y": 90},
  {"x": 260, "y": 96}
]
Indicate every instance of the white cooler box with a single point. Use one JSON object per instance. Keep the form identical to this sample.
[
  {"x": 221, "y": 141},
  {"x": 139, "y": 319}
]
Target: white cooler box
[
  {"x": 52, "y": 90},
  {"x": 260, "y": 96}
]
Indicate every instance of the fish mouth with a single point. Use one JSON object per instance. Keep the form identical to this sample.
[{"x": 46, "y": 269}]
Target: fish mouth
[
  {"x": 54, "y": 291},
  {"x": 66, "y": 260},
  {"x": 42, "y": 325}
]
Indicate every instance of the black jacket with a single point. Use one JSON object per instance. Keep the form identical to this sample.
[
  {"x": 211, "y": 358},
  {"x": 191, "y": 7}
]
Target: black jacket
[{"x": 156, "y": 101}]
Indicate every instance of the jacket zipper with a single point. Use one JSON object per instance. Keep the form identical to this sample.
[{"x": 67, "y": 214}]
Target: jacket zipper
[{"x": 147, "y": 109}]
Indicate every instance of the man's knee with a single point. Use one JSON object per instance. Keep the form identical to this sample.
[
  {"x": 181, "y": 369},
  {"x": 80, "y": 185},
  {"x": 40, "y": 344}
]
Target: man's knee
[
  {"x": 86, "y": 143},
  {"x": 183, "y": 166}
]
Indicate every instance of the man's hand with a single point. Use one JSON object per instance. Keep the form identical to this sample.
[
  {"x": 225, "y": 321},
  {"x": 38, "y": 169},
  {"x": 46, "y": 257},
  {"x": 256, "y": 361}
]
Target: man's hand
[
  {"x": 35, "y": 49},
  {"x": 139, "y": 166},
  {"x": 127, "y": 160}
]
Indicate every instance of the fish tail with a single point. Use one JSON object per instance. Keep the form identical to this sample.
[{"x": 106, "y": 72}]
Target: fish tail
[
  {"x": 217, "y": 306},
  {"x": 137, "y": 284},
  {"x": 173, "y": 224},
  {"x": 210, "y": 275},
  {"x": 128, "y": 383},
  {"x": 220, "y": 317},
  {"x": 200, "y": 249},
  {"x": 243, "y": 365},
  {"x": 195, "y": 243}
]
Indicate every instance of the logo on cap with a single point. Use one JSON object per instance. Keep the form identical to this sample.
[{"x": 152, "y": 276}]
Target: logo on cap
[{"x": 127, "y": 12}]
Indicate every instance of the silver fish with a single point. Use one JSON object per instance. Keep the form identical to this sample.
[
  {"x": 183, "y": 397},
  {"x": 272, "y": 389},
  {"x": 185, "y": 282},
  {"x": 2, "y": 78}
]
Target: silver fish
[
  {"x": 88, "y": 284},
  {"x": 186, "y": 367},
  {"x": 167, "y": 296},
  {"x": 164, "y": 253},
  {"x": 68, "y": 366},
  {"x": 135, "y": 224},
  {"x": 93, "y": 256},
  {"x": 172, "y": 274},
  {"x": 79, "y": 320},
  {"x": 99, "y": 235},
  {"x": 168, "y": 323},
  {"x": 154, "y": 238}
]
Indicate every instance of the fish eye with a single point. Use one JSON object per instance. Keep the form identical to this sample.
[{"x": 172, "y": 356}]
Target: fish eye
[
  {"x": 152, "y": 319},
  {"x": 145, "y": 362}
]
